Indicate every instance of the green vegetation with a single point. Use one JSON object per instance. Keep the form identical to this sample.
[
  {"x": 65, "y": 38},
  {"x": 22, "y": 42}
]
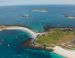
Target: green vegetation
[{"x": 55, "y": 36}]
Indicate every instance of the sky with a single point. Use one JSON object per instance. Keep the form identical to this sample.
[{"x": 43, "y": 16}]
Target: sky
[{"x": 36, "y": 2}]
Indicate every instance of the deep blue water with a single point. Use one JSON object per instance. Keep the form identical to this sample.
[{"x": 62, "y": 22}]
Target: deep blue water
[
  {"x": 12, "y": 15},
  {"x": 54, "y": 17}
]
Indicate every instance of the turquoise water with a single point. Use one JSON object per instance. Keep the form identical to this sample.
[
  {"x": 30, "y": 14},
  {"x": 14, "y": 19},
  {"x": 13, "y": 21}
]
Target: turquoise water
[
  {"x": 11, "y": 46},
  {"x": 10, "y": 41}
]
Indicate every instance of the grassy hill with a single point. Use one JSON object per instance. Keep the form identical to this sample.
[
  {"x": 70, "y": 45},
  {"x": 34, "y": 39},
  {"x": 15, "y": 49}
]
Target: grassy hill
[{"x": 55, "y": 37}]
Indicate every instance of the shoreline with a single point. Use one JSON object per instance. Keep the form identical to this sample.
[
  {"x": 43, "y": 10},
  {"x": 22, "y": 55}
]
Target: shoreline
[
  {"x": 64, "y": 52},
  {"x": 25, "y": 29},
  {"x": 57, "y": 49},
  {"x": 32, "y": 33}
]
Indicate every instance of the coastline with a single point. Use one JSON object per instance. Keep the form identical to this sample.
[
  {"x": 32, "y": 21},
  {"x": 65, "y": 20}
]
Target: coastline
[
  {"x": 57, "y": 49},
  {"x": 64, "y": 52},
  {"x": 25, "y": 29},
  {"x": 32, "y": 33}
]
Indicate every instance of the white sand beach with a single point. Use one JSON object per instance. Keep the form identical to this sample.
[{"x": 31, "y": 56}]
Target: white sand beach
[
  {"x": 32, "y": 33},
  {"x": 64, "y": 52}
]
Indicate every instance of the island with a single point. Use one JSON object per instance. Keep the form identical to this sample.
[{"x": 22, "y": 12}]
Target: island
[
  {"x": 40, "y": 10},
  {"x": 70, "y": 17},
  {"x": 26, "y": 15}
]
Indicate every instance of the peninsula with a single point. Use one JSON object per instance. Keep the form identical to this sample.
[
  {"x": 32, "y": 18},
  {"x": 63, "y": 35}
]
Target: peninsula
[{"x": 58, "y": 40}]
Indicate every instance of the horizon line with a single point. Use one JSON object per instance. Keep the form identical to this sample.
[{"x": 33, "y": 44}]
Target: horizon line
[{"x": 37, "y": 4}]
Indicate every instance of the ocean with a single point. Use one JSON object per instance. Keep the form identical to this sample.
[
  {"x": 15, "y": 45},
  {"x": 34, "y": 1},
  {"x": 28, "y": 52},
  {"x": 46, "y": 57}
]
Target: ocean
[
  {"x": 15, "y": 15},
  {"x": 12, "y": 15}
]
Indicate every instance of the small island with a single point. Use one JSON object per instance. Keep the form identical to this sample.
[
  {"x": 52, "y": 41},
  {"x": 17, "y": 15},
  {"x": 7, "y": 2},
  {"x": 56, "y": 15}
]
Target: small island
[
  {"x": 70, "y": 17},
  {"x": 26, "y": 15},
  {"x": 40, "y": 10}
]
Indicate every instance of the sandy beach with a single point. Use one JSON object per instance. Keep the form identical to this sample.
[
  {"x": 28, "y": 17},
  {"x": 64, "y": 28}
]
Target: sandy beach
[
  {"x": 64, "y": 52},
  {"x": 32, "y": 33}
]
